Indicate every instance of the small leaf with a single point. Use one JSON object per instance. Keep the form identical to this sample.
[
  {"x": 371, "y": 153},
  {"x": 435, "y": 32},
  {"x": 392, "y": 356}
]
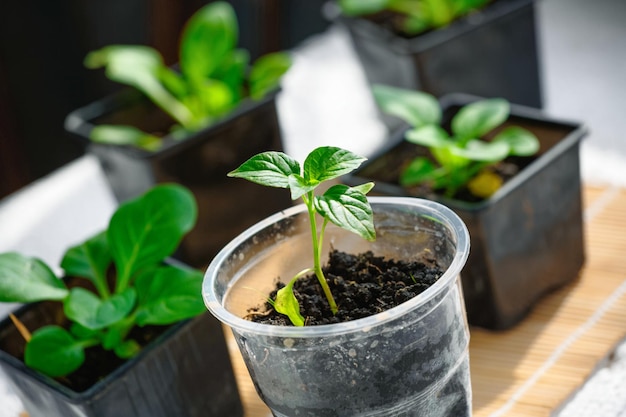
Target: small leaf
[
  {"x": 521, "y": 141},
  {"x": 209, "y": 35},
  {"x": 328, "y": 162},
  {"x": 299, "y": 186},
  {"x": 414, "y": 107},
  {"x": 25, "y": 279},
  {"x": 477, "y": 119},
  {"x": 430, "y": 136},
  {"x": 266, "y": 73},
  {"x": 87, "y": 309},
  {"x": 478, "y": 150},
  {"x": 168, "y": 294},
  {"x": 268, "y": 168},
  {"x": 144, "y": 231},
  {"x": 287, "y": 304},
  {"x": 418, "y": 171},
  {"x": 124, "y": 135},
  {"x": 89, "y": 260},
  {"x": 127, "y": 349},
  {"x": 362, "y": 7},
  {"x": 484, "y": 184},
  {"x": 347, "y": 208},
  {"x": 54, "y": 352},
  {"x": 232, "y": 72},
  {"x": 364, "y": 188},
  {"x": 81, "y": 332}
]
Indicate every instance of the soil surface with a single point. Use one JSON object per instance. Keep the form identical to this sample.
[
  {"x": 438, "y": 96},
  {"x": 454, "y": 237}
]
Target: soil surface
[{"x": 362, "y": 285}]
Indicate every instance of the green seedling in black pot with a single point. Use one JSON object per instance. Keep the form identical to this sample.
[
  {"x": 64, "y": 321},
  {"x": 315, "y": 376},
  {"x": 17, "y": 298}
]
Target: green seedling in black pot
[
  {"x": 413, "y": 16},
  {"x": 347, "y": 207},
  {"x": 215, "y": 76},
  {"x": 145, "y": 290},
  {"x": 459, "y": 157}
]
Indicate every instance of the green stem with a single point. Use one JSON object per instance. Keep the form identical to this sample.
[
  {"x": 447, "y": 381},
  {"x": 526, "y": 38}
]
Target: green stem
[{"x": 317, "y": 249}]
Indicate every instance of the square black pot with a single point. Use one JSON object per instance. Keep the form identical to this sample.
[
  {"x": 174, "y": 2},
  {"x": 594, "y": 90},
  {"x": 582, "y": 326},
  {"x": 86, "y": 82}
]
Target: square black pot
[
  {"x": 185, "y": 372},
  {"x": 490, "y": 53},
  {"x": 226, "y": 206},
  {"x": 527, "y": 238}
]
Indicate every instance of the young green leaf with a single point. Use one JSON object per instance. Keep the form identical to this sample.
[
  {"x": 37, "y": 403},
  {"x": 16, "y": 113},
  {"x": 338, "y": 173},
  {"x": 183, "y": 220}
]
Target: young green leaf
[
  {"x": 479, "y": 118},
  {"x": 54, "y": 352},
  {"x": 90, "y": 260},
  {"x": 144, "y": 231},
  {"x": 271, "y": 169},
  {"x": 521, "y": 141},
  {"x": 328, "y": 162},
  {"x": 139, "y": 67},
  {"x": 124, "y": 135},
  {"x": 25, "y": 279},
  {"x": 208, "y": 37},
  {"x": 348, "y": 208},
  {"x": 414, "y": 107},
  {"x": 85, "y": 308},
  {"x": 266, "y": 73},
  {"x": 286, "y": 303},
  {"x": 418, "y": 171},
  {"x": 168, "y": 294},
  {"x": 477, "y": 150},
  {"x": 430, "y": 136},
  {"x": 127, "y": 349},
  {"x": 362, "y": 7}
]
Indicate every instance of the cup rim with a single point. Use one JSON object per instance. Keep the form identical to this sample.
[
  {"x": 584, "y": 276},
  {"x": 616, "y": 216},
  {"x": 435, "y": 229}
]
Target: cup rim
[{"x": 436, "y": 210}]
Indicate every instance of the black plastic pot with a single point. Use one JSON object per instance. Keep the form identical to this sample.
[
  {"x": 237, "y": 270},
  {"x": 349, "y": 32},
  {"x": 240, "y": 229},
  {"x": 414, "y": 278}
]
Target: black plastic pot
[
  {"x": 185, "y": 372},
  {"x": 527, "y": 239},
  {"x": 227, "y": 206},
  {"x": 490, "y": 53}
]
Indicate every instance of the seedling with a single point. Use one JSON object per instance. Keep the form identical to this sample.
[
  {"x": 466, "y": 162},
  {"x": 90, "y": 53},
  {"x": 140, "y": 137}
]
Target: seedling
[
  {"x": 214, "y": 76},
  {"x": 347, "y": 207},
  {"x": 145, "y": 289},
  {"x": 462, "y": 158},
  {"x": 415, "y": 16}
]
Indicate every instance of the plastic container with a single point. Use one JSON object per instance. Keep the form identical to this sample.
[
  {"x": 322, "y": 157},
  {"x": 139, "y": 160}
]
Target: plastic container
[{"x": 411, "y": 360}]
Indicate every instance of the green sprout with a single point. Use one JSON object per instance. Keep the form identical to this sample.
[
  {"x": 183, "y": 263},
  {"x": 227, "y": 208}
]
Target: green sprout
[
  {"x": 346, "y": 207},
  {"x": 461, "y": 158}
]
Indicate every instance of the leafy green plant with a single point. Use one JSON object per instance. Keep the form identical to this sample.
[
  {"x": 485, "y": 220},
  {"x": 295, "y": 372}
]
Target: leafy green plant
[
  {"x": 462, "y": 157},
  {"x": 145, "y": 289},
  {"x": 347, "y": 207},
  {"x": 415, "y": 16},
  {"x": 215, "y": 76}
]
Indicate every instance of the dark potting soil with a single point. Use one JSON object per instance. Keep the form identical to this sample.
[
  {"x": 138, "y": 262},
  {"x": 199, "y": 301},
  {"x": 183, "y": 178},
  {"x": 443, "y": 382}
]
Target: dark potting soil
[{"x": 362, "y": 285}]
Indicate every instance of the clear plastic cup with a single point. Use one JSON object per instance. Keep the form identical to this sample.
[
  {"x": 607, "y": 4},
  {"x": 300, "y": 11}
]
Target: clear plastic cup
[{"x": 411, "y": 360}]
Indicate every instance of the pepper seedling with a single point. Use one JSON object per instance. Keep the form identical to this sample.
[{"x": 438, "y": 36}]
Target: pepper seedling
[
  {"x": 346, "y": 207},
  {"x": 145, "y": 290},
  {"x": 214, "y": 76},
  {"x": 462, "y": 157}
]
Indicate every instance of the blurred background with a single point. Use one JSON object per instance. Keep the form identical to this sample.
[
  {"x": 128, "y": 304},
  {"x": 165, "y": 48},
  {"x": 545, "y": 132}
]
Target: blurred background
[{"x": 324, "y": 98}]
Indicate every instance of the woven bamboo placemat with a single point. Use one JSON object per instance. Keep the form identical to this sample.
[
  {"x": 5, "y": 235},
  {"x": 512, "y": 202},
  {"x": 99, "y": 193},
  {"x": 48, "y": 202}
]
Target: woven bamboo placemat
[{"x": 531, "y": 369}]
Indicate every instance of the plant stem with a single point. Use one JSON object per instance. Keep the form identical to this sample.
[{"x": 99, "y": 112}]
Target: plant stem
[{"x": 317, "y": 249}]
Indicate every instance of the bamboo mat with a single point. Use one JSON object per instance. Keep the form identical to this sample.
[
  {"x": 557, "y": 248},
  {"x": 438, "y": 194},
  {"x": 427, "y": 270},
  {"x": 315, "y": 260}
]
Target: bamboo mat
[{"x": 531, "y": 369}]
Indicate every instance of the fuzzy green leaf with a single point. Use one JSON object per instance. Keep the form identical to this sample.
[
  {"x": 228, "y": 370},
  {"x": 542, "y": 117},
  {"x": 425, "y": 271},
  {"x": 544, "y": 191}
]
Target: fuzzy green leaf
[
  {"x": 362, "y": 7},
  {"x": 144, "y": 231},
  {"x": 24, "y": 279},
  {"x": 478, "y": 150},
  {"x": 418, "y": 171},
  {"x": 54, "y": 352},
  {"x": 168, "y": 294},
  {"x": 124, "y": 135},
  {"x": 271, "y": 169},
  {"x": 87, "y": 309},
  {"x": 348, "y": 208},
  {"x": 266, "y": 73},
  {"x": 414, "y": 107},
  {"x": 210, "y": 34},
  {"x": 479, "y": 118},
  {"x": 521, "y": 141},
  {"x": 430, "y": 136}
]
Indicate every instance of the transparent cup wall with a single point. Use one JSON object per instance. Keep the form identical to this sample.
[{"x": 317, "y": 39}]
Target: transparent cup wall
[{"x": 410, "y": 360}]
